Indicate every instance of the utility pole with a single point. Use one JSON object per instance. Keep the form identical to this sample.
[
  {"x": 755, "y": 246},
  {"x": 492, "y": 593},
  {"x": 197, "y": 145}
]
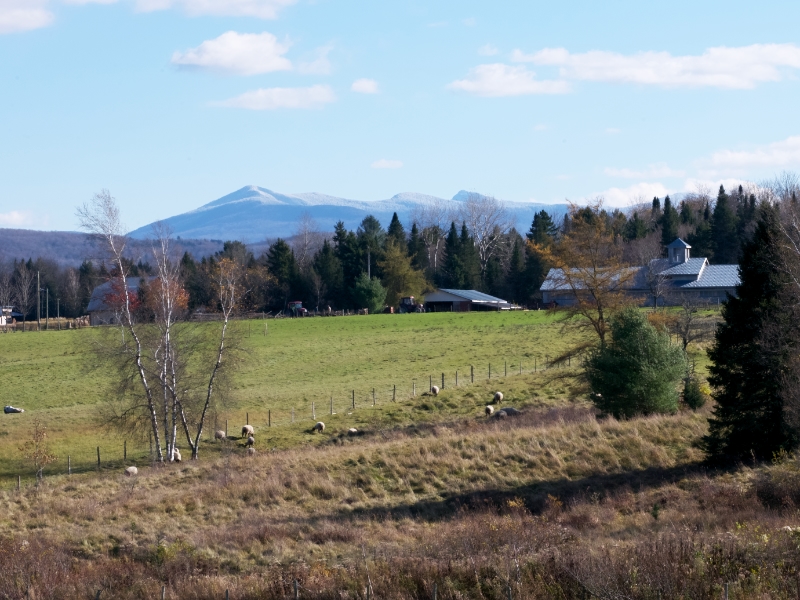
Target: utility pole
[
  {"x": 369, "y": 265},
  {"x": 47, "y": 310},
  {"x": 38, "y": 303}
]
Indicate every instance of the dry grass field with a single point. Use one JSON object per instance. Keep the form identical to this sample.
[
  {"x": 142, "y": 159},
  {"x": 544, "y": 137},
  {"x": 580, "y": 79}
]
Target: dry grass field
[{"x": 429, "y": 495}]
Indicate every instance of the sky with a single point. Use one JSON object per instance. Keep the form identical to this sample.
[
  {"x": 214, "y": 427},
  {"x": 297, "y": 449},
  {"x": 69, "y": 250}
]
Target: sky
[{"x": 170, "y": 104}]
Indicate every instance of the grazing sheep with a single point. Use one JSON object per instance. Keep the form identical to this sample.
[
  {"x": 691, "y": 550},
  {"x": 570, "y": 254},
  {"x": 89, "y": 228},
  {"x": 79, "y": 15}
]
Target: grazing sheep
[
  {"x": 251, "y": 441},
  {"x": 489, "y": 410},
  {"x": 352, "y": 431},
  {"x": 10, "y": 410},
  {"x": 220, "y": 435},
  {"x": 248, "y": 430},
  {"x": 498, "y": 397},
  {"x": 319, "y": 426},
  {"x": 131, "y": 471},
  {"x": 435, "y": 390},
  {"x": 251, "y": 452},
  {"x": 176, "y": 455}
]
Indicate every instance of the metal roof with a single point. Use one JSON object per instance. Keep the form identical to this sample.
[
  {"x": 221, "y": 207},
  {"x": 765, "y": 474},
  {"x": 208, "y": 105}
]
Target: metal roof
[
  {"x": 693, "y": 266},
  {"x": 678, "y": 243},
  {"x": 716, "y": 276},
  {"x": 97, "y": 300},
  {"x": 473, "y": 295}
]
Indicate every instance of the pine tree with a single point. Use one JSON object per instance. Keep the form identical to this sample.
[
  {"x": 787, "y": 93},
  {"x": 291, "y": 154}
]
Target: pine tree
[
  {"x": 752, "y": 347},
  {"x": 416, "y": 249},
  {"x": 655, "y": 211},
  {"x": 469, "y": 259},
  {"x": 516, "y": 273},
  {"x": 396, "y": 232},
  {"x": 543, "y": 230},
  {"x": 635, "y": 228},
  {"x": 669, "y": 223},
  {"x": 724, "y": 241},
  {"x": 687, "y": 214},
  {"x": 453, "y": 275}
]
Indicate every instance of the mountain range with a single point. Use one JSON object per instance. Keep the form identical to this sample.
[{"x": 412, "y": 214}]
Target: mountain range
[{"x": 253, "y": 214}]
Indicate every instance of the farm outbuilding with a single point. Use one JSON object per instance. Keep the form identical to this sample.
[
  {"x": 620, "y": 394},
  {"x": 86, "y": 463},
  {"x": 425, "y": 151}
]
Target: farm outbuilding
[
  {"x": 443, "y": 300},
  {"x": 100, "y": 309}
]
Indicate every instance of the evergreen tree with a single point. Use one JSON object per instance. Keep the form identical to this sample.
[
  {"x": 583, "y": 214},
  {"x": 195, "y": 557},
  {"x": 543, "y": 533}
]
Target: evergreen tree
[
  {"x": 372, "y": 238},
  {"x": 329, "y": 269},
  {"x": 752, "y": 348},
  {"x": 283, "y": 267},
  {"x": 416, "y": 249},
  {"x": 669, "y": 223},
  {"x": 470, "y": 260},
  {"x": 352, "y": 259},
  {"x": 655, "y": 211},
  {"x": 369, "y": 293},
  {"x": 725, "y": 243},
  {"x": 400, "y": 278},
  {"x": 639, "y": 371},
  {"x": 635, "y": 228},
  {"x": 700, "y": 239},
  {"x": 396, "y": 232},
  {"x": 516, "y": 284},
  {"x": 687, "y": 214},
  {"x": 543, "y": 230},
  {"x": 453, "y": 275}
]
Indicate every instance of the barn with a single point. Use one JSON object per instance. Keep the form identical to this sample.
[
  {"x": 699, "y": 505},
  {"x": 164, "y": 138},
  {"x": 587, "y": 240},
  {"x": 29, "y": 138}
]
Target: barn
[
  {"x": 444, "y": 300},
  {"x": 100, "y": 312}
]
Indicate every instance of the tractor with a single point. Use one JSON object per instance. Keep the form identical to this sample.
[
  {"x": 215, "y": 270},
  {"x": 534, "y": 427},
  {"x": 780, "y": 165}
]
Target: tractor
[{"x": 409, "y": 305}]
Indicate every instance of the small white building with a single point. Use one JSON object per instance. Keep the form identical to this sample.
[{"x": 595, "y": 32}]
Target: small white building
[
  {"x": 6, "y": 315},
  {"x": 443, "y": 300}
]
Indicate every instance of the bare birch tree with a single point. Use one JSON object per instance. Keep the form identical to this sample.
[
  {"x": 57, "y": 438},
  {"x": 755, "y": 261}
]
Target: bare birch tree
[
  {"x": 24, "y": 291},
  {"x": 487, "y": 220},
  {"x": 6, "y": 285},
  {"x": 307, "y": 240}
]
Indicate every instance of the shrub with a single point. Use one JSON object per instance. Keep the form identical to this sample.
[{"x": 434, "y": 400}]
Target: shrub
[
  {"x": 638, "y": 371},
  {"x": 692, "y": 394},
  {"x": 369, "y": 293}
]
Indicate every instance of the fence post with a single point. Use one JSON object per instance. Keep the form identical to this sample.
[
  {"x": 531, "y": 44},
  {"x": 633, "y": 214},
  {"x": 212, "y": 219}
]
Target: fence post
[
  {"x": 490, "y": 370},
  {"x": 394, "y": 392},
  {"x": 296, "y": 590},
  {"x": 509, "y": 592},
  {"x": 125, "y": 450},
  {"x": 472, "y": 373},
  {"x": 413, "y": 388},
  {"x": 434, "y": 591},
  {"x": 163, "y": 592},
  {"x": 69, "y": 465},
  {"x": 313, "y": 411},
  {"x": 226, "y": 428},
  {"x": 534, "y": 365},
  {"x": 456, "y": 378},
  {"x": 269, "y": 418},
  {"x": 247, "y": 418},
  {"x": 442, "y": 380},
  {"x": 505, "y": 367},
  {"x": 354, "y": 398},
  {"x": 227, "y": 595},
  {"x": 331, "y": 403},
  {"x": 430, "y": 383},
  {"x": 19, "y": 482},
  {"x": 293, "y": 414},
  {"x": 98, "y": 457},
  {"x": 373, "y": 396}
]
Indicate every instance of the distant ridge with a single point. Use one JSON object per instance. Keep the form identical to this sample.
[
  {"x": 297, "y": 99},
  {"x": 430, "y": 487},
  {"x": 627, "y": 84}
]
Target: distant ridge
[{"x": 253, "y": 214}]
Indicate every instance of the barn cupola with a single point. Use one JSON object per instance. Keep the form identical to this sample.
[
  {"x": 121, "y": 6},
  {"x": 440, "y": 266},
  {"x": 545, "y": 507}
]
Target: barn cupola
[{"x": 678, "y": 252}]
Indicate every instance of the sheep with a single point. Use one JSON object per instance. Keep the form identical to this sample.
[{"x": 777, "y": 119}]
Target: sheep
[
  {"x": 250, "y": 441},
  {"x": 319, "y": 426},
  {"x": 11, "y": 410},
  {"x": 498, "y": 397},
  {"x": 435, "y": 390},
  {"x": 251, "y": 452},
  {"x": 220, "y": 435},
  {"x": 489, "y": 410},
  {"x": 131, "y": 471},
  {"x": 176, "y": 455},
  {"x": 352, "y": 431},
  {"x": 248, "y": 430}
]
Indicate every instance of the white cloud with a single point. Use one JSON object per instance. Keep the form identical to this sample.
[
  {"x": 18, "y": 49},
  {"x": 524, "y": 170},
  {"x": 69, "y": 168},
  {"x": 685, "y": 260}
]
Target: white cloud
[
  {"x": 488, "y": 50},
  {"x": 320, "y": 65},
  {"x": 241, "y": 53},
  {"x": 785, "y": 153},
  {"x": 612, "y": 130},
  {"x": 365, "y": 86},
  {"x": 693, "y": 184},
  {"x": 24, "y": 15},
  {"x": 15, "y": 218},
  {"x": 82, "y": 2},
  {"x": 732, "y": 68},
  {"x": 470, "y": 22},
  {"x": 315, "y": 96},
  {"x": 387, "y": 164},
  {"x": 262, "y": 9},
  {"x": 497, "y": 80},
  {"x": 540, "y": 127},
  {"x": 635, "y": 193},
  {"x": 652, "y": 171}
]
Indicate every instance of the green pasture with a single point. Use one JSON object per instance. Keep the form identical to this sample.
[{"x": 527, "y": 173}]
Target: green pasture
[{"x": 287, "y": 365}]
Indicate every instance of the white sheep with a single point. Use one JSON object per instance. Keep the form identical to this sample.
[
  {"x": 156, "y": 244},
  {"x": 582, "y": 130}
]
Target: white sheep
[
  {"x": 248, "y": 430},
  {"x": 251, "y": 441},
  {"x": 220, "y": 435},
  {"x": 251, "y": 452},
  {"x": 489, "y": 410},
  {"x": 352, "y": 431},
  {"x": 131, "y": 471},
  {"x": 176, "y": 455},
  {"x": 319, "y": 426},
  {"x": 435, "y": 390},
  {"x": 498, "y": 397}
]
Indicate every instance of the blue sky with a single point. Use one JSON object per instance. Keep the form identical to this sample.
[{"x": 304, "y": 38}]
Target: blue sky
[{"x": 173, "y": 103}]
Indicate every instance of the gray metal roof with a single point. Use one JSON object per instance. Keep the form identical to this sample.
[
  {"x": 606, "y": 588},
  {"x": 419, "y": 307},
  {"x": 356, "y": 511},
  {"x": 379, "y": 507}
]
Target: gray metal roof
[
  {"x": 473, "y": 295},
  {"x": 716, "y": 276},
  {"x": 678, "y": 243},
  {"x": 693, "y": 266}
]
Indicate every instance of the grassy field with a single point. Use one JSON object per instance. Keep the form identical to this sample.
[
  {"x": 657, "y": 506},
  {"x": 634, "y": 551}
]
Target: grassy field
[
  {"x": 555, "y": 503},
  {"x": 288, "y": 364}
]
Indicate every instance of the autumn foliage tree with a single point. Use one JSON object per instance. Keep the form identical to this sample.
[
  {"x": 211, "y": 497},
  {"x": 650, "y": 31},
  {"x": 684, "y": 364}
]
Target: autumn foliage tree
[{"x": 588, "y": 261}]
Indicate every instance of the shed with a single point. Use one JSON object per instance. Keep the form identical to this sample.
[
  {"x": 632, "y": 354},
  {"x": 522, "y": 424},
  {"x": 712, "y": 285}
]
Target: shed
[{"x": 444, "y": 300}]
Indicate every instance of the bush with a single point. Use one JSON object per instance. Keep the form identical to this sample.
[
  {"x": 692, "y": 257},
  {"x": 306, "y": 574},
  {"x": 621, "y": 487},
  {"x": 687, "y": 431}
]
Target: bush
[
  {"x": 369, "y": 293},
  {"x": 693, "y": 396},
  {"x": 638, "y": 371}
]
